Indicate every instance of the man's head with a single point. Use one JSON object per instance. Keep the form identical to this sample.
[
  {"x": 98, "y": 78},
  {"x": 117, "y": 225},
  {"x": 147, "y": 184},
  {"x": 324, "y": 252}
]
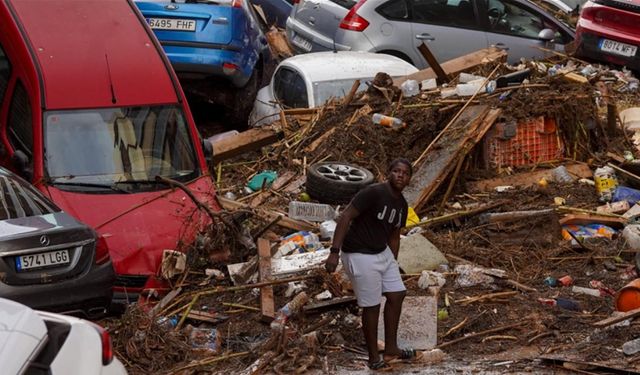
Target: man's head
[{"x": 399, "y": 173}]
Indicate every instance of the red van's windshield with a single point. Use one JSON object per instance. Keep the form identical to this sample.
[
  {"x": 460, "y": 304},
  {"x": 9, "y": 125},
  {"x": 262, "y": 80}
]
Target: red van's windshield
[{"x": 117, "y": 146}]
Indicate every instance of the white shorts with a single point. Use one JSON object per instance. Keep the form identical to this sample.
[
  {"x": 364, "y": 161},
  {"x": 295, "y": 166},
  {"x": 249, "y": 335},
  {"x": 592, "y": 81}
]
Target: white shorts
[{"x": 372, "y": 275}]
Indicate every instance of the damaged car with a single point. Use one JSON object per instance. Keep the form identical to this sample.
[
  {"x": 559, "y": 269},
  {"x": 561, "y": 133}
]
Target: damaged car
[
  {"x": 216, "y": 47},
  {"x": 99, "y": 124},
  {"x": 310, "y": 80},
  {"x": 48, "y": 259}
]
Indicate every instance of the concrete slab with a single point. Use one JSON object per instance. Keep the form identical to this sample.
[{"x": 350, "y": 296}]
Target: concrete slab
[
  {"x": 418, "y": 323},
  {"x": 417, "y": 254}
]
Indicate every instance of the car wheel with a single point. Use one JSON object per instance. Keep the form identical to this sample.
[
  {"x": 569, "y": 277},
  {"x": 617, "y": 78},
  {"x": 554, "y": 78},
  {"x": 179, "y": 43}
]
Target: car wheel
[{"x": 335, "y": 182}]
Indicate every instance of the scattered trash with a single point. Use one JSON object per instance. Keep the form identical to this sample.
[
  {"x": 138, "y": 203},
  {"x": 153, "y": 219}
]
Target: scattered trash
[
  {"x": 565, "y": 280},
  {"x": 614, "y": 208},
  {"x": 323, "y": 296},
  {"x": 288, "y": 310},
  {"x": 300, "y": 242},
  {"x": 311, "y": 211},
  {"x": 631, "y": 347},
  {"x": 587, "y": 231},
  {"x": 388, "y": 121},
  {"x": 205, "y": 338},
  {"x": 623, "y": 193},
  {"x": 631, "y": 234},
  {"x": 431, "y": 278},
  {"x": 469, "y": 275},
  {"x": 262, "y": 179},
  {"x": 327, "y": 228},
  {"x": 561, "y": 175},
  {"x": 606, "y": 181},
  {"x": 443, "y": 314},
  {"x": 588, "y": 291},
  {"x": 628, "y": 298},
  {"x": 409, "y": 88},
  {"x": 563, "y": 303}
]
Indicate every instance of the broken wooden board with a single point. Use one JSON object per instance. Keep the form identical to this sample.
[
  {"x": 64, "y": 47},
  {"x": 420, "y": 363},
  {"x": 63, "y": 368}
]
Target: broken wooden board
[
  {"x": 440, "y": 160},
  {"x": 617, "y": 318},
  {"x": 329, "y": 303},
  {"x": 267, "y": 304},
  {"x": 433, "y": 63},
  {"x": 205, "y": 316},
  {"x": 286, "y": 222},
  {"x": 418, "y": 327},
  {"x": 460, "y": 64},
  {"x": 527, "y": 178},
  {"x": 245, "y": 141}
]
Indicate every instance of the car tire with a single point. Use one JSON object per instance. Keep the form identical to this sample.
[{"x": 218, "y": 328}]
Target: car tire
[{"x": 336, "y": 182}]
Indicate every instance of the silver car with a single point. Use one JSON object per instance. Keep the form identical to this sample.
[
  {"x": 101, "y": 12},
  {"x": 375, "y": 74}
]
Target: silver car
[{"x": 450, "y": 28}]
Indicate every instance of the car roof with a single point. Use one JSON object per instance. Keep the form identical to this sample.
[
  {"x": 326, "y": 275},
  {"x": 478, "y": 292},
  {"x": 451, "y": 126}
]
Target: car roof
[
  {"x": 92, "y": 52},
  {"x": 327, "y": 66}
]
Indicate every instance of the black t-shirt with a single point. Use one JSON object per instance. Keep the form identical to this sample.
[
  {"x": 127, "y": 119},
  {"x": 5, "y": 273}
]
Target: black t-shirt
[{"x": 380, "y": 214}]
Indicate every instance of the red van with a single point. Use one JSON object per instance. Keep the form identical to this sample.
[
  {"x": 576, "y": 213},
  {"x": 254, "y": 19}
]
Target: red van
[{"x": 91, "y": 112}]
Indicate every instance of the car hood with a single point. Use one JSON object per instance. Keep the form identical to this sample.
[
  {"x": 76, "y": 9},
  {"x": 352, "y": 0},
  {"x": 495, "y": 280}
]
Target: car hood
[
  {"x": 22, "y": 333},
  {"x": 137, "y": 227}
]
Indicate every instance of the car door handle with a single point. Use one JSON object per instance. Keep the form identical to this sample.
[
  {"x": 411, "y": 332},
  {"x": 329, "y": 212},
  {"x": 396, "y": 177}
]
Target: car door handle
[
  {"x": 425, "y": 36},
  {"x": 501, "y": 46}
]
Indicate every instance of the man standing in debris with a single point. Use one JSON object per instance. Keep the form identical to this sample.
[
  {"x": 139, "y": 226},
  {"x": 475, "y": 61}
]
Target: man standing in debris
[{"x": 368, "y": 235}]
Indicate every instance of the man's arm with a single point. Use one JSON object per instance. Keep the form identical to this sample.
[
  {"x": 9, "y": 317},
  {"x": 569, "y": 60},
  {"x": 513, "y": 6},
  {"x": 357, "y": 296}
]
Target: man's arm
[
  {"x": 394, "y": 242},
  {"x": 342, "y": 227}
]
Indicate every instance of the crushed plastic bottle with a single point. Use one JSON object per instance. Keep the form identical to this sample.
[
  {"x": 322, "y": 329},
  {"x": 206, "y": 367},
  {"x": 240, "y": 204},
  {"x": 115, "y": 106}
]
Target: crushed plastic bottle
[
  {"x": 288, "y": 310},
  {"x": 409, "y": 88},
  {"x": 388, "y": 121}
]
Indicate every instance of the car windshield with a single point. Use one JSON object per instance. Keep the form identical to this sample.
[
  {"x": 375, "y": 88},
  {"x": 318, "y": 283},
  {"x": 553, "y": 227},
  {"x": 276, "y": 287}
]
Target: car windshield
[
  {"x": 324, "y": 90},
  {"x": 105, "y": 147}
]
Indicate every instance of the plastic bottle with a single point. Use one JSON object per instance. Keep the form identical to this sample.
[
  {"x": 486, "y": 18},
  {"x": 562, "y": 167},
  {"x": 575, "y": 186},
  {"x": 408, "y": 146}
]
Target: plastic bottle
[
  {"x": 606, "y": 182},
  {"x": 631, "y": 347},
  {"x": 409, "y": 88},
  {"x": 561, "y": 175},
  {"x": 288, "y": 310},
  {"x": 388, "y": 121}
]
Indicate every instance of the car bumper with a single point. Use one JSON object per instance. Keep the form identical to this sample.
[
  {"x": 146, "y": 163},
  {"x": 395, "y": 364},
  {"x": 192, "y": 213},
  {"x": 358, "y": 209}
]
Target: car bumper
[
  {"x": 206, "y": 61},
  {"x": 89, "y": 294},
  {"x": 588, "y": 47},
  {"x": 299, "y": 35}
]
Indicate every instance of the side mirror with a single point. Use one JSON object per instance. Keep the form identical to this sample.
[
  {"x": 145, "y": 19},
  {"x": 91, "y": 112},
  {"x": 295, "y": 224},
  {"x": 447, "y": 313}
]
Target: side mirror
[
  {"x": 547, "y": 35},
  {"x": 21, "y": 164}
]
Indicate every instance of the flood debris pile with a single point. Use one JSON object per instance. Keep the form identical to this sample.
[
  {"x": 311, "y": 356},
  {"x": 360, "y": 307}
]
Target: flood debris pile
[{"x": 520, "y": 255}]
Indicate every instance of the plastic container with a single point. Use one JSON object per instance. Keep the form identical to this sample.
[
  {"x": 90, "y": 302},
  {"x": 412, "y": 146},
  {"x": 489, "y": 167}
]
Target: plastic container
[
  {"x": 606, "y": 183},
  {"x": 466, "y": 77},
  {"x": 262, "y": 179},
  {"x": 301, "y": 242},
  {"x": 565, "y": 280},
  {"x": 631, "y": 347},
  {"x": 628, "y": 298},
  {"x": 561, "y": 175},
  {"x": 388, "y": 121},
  {"x": 288, "y": 310},
  {"x": 623, "y": 193},
  {"x": 409, "y": 88},
  {"x": 428, "y": 84}
]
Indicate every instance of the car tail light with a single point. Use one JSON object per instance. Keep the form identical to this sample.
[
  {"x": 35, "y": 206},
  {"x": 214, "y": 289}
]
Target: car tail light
[
  {"x": 592, "y": 14},
  {"x": 107, "y": 347},
  {"x": 236, "y": 3},
  {"x": 229, "y": 68},
  {"x": 102, "y": 251},
  {"x": 352, "y": 21}
]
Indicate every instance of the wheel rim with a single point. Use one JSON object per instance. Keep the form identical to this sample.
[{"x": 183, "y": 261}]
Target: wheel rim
[{"x": 342, "y": 172}]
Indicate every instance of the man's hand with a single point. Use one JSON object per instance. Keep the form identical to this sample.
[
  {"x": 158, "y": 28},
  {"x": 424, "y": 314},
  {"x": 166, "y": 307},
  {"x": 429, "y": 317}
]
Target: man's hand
[{"x": 332, "y": 262}]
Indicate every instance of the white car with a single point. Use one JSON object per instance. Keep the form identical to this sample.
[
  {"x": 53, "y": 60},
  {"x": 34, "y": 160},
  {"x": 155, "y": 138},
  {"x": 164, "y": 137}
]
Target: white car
[
  {"x": 309, "y": 80},
  {"x": 37, "y": 342}
]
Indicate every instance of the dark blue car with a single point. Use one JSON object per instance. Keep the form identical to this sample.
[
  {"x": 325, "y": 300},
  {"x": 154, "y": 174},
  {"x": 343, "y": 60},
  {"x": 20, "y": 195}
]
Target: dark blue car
[{"x": 216, "y": 47}]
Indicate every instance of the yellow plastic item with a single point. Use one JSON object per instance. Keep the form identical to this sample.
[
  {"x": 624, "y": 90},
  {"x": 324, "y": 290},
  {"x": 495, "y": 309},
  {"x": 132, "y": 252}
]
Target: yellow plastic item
[{"x": 412, "y": 218}]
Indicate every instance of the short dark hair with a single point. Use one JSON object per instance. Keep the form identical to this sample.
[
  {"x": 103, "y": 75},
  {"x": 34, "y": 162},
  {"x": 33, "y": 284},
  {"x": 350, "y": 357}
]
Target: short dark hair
[{"x": 401, "y": 161}]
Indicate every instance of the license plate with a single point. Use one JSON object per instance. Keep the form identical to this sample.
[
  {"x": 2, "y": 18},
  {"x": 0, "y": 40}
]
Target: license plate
[
  {"x": 618, "y": 48},
  {"x": 301, "y": 42},
  {"x": 51, "y": 258},
  {"x": 172, "y": 24}
]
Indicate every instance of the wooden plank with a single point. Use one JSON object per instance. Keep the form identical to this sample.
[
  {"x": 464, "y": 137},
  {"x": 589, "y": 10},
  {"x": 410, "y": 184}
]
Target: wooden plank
[
  {"x": 245, "y": 141},
  {"x": 618, "y": 318},
  {"x": 267, "y": 305},
  {"x": 527, "y": 178},
  {"x": 329, "y": 303},
  {"x": 205, "y": 316},
  {"x": 440, "y": 159},
  {"x": 460, "y": 64},
  {"x": 433, "y": 63},
  {"x": 286, "y": 222}
]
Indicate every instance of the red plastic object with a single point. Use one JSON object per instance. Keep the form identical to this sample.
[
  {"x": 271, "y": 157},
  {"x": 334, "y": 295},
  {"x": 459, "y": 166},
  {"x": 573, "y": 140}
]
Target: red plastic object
[{"x": 535, "y": 141}]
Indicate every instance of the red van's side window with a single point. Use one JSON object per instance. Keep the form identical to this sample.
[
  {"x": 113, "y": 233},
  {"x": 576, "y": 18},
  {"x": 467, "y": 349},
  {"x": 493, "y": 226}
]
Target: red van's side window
[
  {"x": 20, "y": 131},
  {"x": 5, "y": 73}
]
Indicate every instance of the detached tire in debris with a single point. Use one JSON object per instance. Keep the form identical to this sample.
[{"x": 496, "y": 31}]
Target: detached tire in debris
[{"x": 335, "y": 182}]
